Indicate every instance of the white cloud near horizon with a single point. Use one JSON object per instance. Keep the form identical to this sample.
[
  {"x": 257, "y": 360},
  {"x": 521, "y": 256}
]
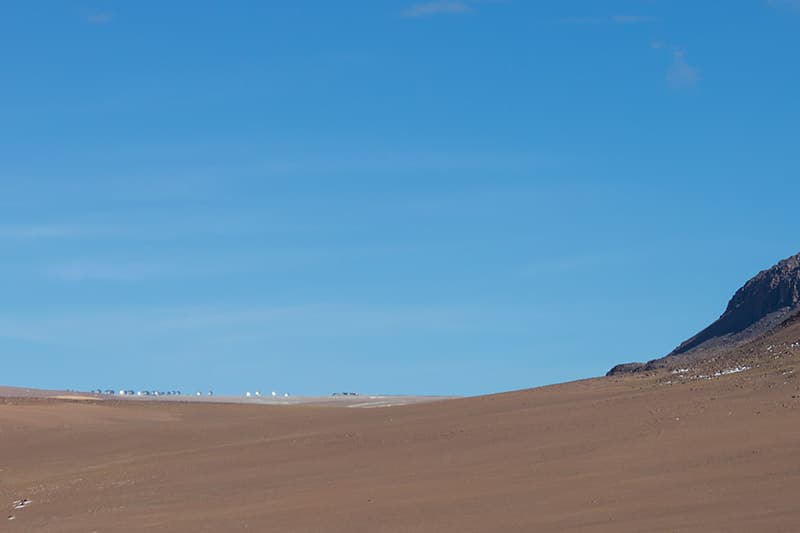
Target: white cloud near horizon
[{"x": 439, "y": 7}]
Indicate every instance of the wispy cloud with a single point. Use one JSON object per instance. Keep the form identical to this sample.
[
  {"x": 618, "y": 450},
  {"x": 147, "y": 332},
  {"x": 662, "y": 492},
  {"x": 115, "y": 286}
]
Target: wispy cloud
[
  {"x": 41, "y": 231},
  {"x": 439, "y": 7},
  {"x": 633, "y": 19},
  {"x": 615, "y": 19},
  {"x": 681, "y": 74},
  {"x": 119, "y": 272},
  {"x": 785, "y": 4},
  {"x": 181, "y": 266},
  {"x": 578, "y": 263},
  {"x": 126, "y": 325},
  {"x": 100, "y": 17},
  {"x": 150, "y": 226},
  {"x": 583, "y": 20}
]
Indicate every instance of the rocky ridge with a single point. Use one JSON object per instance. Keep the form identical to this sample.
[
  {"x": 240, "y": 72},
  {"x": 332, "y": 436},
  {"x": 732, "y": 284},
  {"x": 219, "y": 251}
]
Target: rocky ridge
[{"x": 765, "y": 303}]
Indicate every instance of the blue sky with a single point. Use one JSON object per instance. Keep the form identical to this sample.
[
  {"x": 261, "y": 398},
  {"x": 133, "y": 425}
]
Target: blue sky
[{"x": 452, "y": 197}]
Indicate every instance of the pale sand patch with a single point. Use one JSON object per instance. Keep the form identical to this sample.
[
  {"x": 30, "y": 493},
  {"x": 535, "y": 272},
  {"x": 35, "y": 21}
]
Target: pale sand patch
[{"x": 70, "y": 397}]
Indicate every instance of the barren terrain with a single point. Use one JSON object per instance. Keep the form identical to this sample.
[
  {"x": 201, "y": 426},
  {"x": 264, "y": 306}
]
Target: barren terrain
[{"x": 647, "y": 452}]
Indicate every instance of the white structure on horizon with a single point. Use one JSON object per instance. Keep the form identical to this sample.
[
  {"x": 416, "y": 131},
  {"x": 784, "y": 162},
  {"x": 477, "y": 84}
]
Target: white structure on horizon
[
  {"x": 274, "y": 394},
  {"x": 285, "y": 394},
  {"x": 258, "y": 394},
  {"x": 247, "y": 394}
]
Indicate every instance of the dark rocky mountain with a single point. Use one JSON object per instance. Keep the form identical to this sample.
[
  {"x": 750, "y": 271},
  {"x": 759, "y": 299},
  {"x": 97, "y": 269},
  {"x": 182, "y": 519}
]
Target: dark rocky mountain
[{"x": 763, "y": 304}]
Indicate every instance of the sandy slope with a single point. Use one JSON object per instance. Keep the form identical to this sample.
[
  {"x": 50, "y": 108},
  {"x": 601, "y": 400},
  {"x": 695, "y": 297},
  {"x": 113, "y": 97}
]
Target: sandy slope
[{"x": 614, "y": 455}]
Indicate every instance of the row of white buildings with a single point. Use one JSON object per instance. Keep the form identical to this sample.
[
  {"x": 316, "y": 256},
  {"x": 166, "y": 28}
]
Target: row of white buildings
[{"x": 257, "y": 394}]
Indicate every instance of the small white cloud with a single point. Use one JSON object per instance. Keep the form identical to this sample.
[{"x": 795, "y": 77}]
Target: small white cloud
[
  {"x": 439, "y": 7},
  {"x": 681, "y": 74},
  {"x": 100, "y": 18}
]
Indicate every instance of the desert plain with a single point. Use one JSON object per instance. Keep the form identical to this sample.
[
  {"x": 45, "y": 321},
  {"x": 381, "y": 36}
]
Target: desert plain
[{"x": 649, "y": 452}]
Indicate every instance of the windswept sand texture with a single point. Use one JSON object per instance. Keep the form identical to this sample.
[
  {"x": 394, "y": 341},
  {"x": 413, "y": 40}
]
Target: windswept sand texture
[{"x": 612, "y": 454}]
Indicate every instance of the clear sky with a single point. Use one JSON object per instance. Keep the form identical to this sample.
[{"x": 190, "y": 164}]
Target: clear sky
[{"x": 451, "y": 196}]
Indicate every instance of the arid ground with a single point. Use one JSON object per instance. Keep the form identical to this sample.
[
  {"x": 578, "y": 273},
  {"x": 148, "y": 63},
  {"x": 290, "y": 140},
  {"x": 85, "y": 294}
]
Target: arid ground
[{"x": 635, "y": 453}]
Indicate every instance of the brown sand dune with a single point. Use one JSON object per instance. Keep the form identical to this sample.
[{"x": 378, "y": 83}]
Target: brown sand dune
[{"x": 614, "y": 454}]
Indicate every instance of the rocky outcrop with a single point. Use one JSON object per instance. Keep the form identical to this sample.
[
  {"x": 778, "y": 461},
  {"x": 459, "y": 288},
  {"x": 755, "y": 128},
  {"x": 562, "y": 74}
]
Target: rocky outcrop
[
  {"x": 776, "y": 290},
  {"x": 763, "y": 304},
  {"x": 626, "y": 368}
]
